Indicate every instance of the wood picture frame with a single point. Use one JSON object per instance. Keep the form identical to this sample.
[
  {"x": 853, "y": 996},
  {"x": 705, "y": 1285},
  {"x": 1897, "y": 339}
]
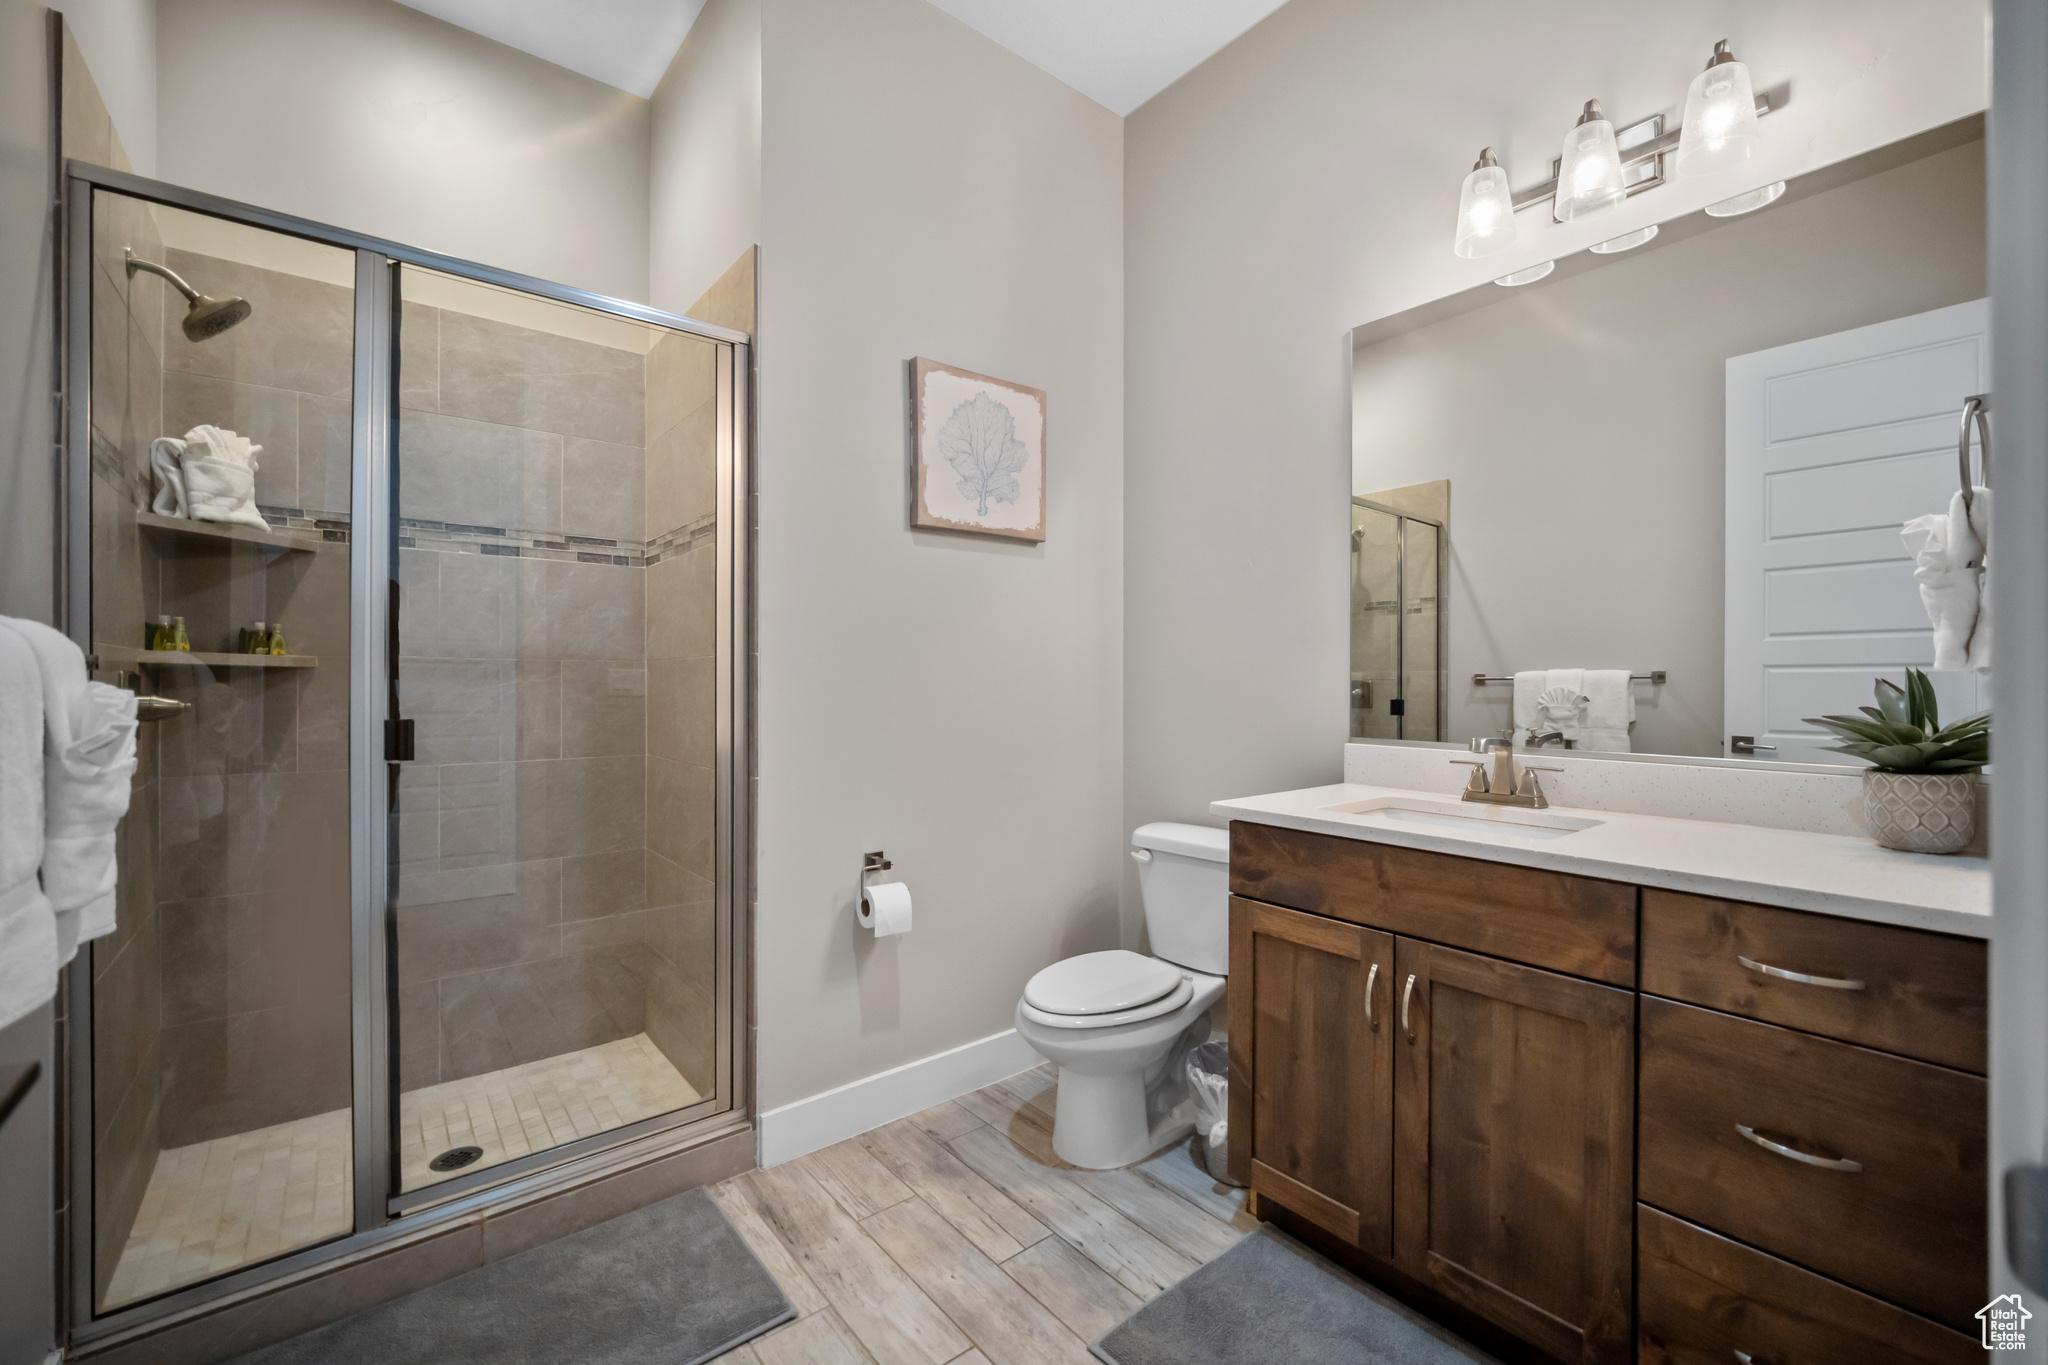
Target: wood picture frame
[{"x": 978, "y": 451}]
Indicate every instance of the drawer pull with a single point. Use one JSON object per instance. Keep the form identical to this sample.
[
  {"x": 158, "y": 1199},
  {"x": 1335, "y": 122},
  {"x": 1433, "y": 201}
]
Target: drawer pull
[
  {"x": 1407, "y": 994},
  {"x": 1833, "y": 983},
  {"x": 1372, "y": 979},
  {"x": 1744, "y": 1358},
  {"x": 1832, "y": 1163}
]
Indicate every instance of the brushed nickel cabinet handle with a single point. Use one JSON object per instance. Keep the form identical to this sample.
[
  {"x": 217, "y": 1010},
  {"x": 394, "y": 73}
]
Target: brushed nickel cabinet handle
[
  {"x": 1407, "y": 994},
  {"x": 1833, "y": 983},
  {"x": 1744, "y": 1358},
  {"x": 1371, "y": 982},
  {"x": 1832, "y": 1163}
]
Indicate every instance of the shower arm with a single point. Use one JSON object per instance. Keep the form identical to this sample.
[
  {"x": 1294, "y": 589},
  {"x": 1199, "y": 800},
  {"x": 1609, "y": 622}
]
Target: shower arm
[{"x": 136, "y": 263}]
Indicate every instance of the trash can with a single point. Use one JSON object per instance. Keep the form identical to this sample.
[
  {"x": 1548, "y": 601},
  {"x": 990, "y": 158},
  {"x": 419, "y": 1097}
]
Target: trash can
[{"x": 1209, "y": 1087}]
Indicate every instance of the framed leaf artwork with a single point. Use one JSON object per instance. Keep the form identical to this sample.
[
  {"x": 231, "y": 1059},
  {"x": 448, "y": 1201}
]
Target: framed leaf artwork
[{"x": 980, "y": 453}]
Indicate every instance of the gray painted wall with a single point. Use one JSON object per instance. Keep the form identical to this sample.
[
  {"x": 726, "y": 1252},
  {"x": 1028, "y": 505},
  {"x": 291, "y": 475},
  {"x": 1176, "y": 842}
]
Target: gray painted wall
[
  {"x": 954, "y": 700},
  {"x": 704, "y": 168},
  {"x": 1580, "y": 423},
  {"x": 372, "y": 116},
  {"x": 27, "y": 511},
  {"x": 1299, "y": 184}
]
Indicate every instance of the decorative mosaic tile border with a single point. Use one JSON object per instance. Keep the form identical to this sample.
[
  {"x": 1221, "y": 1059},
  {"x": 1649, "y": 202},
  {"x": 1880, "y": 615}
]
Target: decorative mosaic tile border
[{"x": 449, "y": 537}]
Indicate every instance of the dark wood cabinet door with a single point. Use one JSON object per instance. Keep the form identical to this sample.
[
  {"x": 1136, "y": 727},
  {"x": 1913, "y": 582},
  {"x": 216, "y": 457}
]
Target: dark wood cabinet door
[
  {"x": 1310, "y": 1068},
  {"x": 1513, "y": 1148}
]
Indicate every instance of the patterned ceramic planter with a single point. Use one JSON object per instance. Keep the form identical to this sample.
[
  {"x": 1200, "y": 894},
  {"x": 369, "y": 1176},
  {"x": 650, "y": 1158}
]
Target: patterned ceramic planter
[{"x": 1921, "y": 812}]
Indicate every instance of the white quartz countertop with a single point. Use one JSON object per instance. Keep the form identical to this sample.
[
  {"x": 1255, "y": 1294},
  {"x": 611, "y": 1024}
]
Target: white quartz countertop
[{"x": 1831, "y": 874}]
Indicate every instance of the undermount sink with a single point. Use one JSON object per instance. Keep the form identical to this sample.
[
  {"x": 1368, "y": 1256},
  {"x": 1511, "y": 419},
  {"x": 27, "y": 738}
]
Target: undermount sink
[{"x": 1464, "y": 818}]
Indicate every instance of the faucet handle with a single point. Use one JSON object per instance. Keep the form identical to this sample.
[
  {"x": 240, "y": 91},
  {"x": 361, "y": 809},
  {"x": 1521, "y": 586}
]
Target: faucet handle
[
  {"x": 1478, "y": 781},
  {"x": 1533, "y": 787}
]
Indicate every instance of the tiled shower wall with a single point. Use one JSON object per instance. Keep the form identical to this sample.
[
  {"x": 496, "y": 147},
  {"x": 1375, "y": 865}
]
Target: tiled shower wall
[
  {"x": 681, "y": 531},
  {"x": 522, "y": 886}
]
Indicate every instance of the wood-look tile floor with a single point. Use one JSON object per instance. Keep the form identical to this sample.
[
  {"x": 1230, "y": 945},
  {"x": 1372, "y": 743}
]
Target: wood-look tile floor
[
  {"x": 213, "y": 1206},
  {"x": 956, "y": 1235}
]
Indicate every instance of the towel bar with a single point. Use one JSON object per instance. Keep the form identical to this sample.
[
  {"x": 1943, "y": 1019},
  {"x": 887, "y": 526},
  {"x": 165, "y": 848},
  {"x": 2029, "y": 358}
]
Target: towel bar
[{"x": 1655, "y": 678}]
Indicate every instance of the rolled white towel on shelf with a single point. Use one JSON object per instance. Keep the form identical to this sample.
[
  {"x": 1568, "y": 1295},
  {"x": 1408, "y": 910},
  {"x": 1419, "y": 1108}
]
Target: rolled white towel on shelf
[
  {"x": 166, "y": 457},
  {"x": 88, "y": 768},
  {"x": 28, "y": 928}
]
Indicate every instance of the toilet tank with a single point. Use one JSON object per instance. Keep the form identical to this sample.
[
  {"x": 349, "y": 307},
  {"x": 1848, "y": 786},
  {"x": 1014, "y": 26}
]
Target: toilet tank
[{"x": 1184, "y": 871}]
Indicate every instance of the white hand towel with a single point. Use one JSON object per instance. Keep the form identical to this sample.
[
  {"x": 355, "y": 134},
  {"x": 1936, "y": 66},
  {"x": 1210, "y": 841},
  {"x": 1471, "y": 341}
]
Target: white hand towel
[
  {"x": 1947, "y": 564},
  {"x": 28, "y": 928},
  {"x": 1610, "y": 706},
  {"x": 1979, "y": 657},
  {"x": 1568, "y": 718},
  {"x": 88, "y": 766},
  {"x": 218, "y": 443},
  {"x": 165, "y": 455},
  {"x": 1529, "y": 685},
  {"x": 221, "y": 490}
]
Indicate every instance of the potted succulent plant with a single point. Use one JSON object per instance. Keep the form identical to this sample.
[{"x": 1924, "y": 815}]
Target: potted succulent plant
[{"x": 1920, "y": 790}]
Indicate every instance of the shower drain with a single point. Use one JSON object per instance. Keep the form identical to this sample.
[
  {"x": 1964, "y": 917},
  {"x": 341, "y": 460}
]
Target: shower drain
[{"x": 455, "y": 1158}]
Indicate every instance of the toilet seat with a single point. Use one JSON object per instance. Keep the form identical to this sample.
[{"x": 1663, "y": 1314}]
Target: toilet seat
[
  {"x": 1165, "y": 1004},
  {"x": 1101, "y": 983}
]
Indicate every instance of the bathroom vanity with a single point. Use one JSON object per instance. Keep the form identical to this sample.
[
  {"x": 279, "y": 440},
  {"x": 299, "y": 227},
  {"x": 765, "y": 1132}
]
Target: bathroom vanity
[{"x": 1621, "y": 1086}]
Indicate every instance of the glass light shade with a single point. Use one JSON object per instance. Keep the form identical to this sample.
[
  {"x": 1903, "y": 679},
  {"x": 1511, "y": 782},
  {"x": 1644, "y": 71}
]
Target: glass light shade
[
  {"x": 1528, "y": 276},
  {"x": 1589, "y": 176},
  {"x": 1719, "y": 132},
  {"x": 1486, "y": 213},
  {"x": 1747, "y": 203},
  {"x": 1623, "y": 242}
]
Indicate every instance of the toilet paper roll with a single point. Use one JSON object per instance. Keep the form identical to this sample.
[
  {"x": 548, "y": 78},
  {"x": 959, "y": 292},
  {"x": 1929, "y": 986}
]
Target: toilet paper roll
[{"x": 886, "y": 909}]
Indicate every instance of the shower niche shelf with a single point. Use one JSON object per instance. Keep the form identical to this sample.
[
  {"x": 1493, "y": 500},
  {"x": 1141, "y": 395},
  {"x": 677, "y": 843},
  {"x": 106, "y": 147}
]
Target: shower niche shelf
[
  {"x": 111, "y": 656},
  {"x": 182, "y": 528}
]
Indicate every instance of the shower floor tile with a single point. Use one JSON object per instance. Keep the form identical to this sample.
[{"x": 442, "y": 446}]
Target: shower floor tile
[
  {"x": 246, "y": 1197},
  {"x": 214, "y": 1206},
  {"x": 535, "y": 1106}
]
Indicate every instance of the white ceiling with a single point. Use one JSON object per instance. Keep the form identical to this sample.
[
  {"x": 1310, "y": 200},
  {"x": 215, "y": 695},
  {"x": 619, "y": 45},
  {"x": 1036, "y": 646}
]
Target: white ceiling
[
  {"x": 1118, "y": 53},
  {"x": 624, "y": 43}
]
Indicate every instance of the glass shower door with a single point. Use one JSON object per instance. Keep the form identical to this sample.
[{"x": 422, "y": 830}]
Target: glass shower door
[
  {"x": 554, "y": 832},
  {"x": 1396, "y": 667},
  {"x": 219, "y": 1023}
]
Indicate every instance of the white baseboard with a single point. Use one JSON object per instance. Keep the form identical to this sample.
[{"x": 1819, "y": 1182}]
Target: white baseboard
[{"x": 805, "y": 1126}]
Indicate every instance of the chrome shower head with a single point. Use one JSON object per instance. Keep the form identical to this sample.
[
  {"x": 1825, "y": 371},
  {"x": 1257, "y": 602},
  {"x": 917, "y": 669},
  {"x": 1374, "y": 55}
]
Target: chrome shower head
[{"x": 205, "y": 317}]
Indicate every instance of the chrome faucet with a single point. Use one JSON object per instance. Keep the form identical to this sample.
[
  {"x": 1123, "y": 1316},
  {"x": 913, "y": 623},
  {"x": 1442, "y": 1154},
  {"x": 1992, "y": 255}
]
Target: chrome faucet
[{"x": 1512, "y": 783}]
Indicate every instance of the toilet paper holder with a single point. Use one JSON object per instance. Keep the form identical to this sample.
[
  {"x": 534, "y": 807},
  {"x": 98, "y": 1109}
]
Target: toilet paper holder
[{"x": 877, "y": 861}]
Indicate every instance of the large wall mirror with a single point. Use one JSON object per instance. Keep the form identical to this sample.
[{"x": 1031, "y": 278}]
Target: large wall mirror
[{"x": 1687, "y": 463}]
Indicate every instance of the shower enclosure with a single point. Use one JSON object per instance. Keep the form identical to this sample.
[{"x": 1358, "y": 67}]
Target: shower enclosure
[
  {"x": 428, "y": 884},
  {"x": 1397, "y": 578}
]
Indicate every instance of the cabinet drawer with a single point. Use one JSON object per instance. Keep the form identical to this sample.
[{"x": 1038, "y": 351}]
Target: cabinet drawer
[
  {"x": 1917, "y": 993},
  {"x": 1702, "y": 1299},
  {"x": 1906, "y": 1224},
  {"x": 1577, "y": 925}
]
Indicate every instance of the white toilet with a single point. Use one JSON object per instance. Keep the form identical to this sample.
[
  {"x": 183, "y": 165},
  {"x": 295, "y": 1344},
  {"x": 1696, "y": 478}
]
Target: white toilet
[{"x": 1119, "y": 1024}]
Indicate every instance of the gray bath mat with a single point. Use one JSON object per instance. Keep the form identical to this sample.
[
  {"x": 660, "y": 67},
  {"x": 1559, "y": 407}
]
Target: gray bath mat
[
  {"x": 1271, "y": 1299},
  {"x": 670, "y": 1284}
]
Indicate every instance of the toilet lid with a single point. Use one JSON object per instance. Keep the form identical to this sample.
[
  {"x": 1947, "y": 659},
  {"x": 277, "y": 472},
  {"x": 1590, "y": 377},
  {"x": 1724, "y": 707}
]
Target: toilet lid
[{"x": 1101, "y": 983}]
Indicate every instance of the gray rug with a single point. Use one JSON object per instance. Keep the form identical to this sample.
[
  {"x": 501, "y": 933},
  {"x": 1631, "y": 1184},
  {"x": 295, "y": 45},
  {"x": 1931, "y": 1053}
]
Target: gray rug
[
  {"x": 670, "y": 1284},
  {"x": 1271, "y": 1299}
]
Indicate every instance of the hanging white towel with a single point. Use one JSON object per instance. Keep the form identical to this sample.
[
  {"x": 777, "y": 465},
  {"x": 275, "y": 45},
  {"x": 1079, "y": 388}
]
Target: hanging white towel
[
  {"x": 1948, "y": 564},
  {"x": 1529, "y": 685},
  {"x": 28, "y": 929},
  {"x": 1610, "y": 708},
  {"x": 1549, "y": 701},
  {"x": 88, "y": 766}
]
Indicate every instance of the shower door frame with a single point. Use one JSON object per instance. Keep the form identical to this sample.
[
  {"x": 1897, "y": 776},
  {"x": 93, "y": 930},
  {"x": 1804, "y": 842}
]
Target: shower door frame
[
  {"x": 1443, "y": 629},
  {"x": 382, "y": 1213}
]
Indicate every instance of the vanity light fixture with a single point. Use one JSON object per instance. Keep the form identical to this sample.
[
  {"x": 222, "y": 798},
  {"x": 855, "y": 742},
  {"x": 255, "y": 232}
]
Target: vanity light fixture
[
  {"x": 1749, "y": 202},
  {"x": 1623, "y": 242},
  {"x": 1589, "y": 171},
  {"x": 1486, "y": 209},
  {"x": 1719, "y": 132},
  {"x": 1528, "y": 275}
]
